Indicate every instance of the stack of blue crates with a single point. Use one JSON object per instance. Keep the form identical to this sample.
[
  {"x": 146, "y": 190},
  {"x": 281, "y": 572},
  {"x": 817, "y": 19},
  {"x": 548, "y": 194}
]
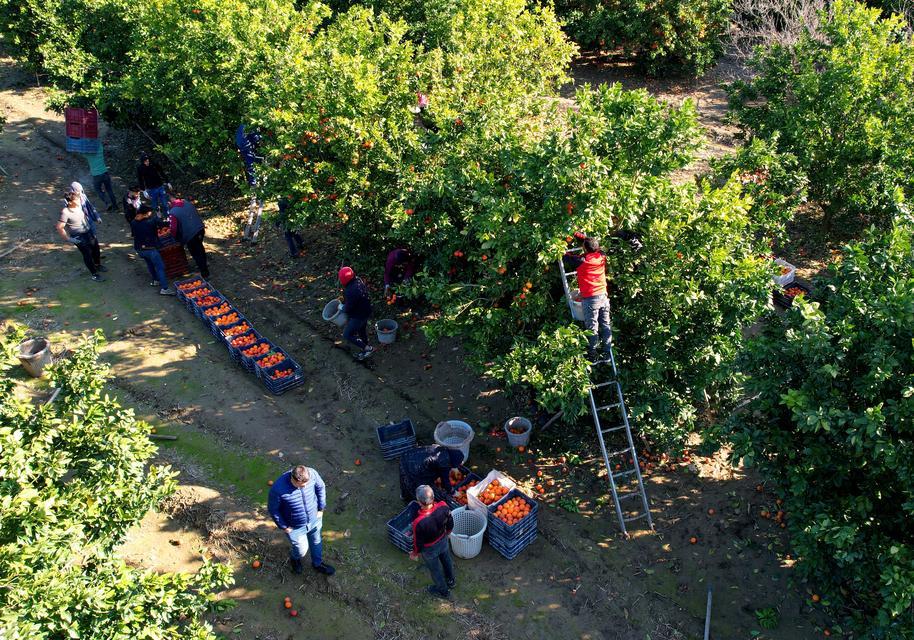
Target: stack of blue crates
[
  {"x": 400, "y": 528},
  {"x": 510, "y": 540},
  {"x": 396, "y": 437}
]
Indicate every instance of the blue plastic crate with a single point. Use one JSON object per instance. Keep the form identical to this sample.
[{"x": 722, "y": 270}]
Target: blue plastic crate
[
  {"x": 399, "y": 528},
  {"x": 209, "y": 319},
  {"x": 198, "y": 310},
  {"x": 280, "y": 386},
  {"x": 248, "y": 362},
  {"x": 506, "y": 532},
  {"x": 512, "y": 551},
  {"x": 182, "y": 295},
  {"x": 82, "y": 145},
  {"x": 215, "y": 329},
  {"x": 190, "y": 302},
  {"x": 258, "y": 370},
  {"x": 226, "y": 338},
  {"x": 235, "y": 352}
]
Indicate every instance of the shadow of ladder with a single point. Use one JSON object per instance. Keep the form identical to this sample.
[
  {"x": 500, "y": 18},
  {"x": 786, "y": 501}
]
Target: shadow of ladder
[{"x": 599, "y": 371}]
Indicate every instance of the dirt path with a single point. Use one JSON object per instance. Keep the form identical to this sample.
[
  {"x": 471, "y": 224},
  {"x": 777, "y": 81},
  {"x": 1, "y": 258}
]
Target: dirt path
[{"x": 579, "y": 580}]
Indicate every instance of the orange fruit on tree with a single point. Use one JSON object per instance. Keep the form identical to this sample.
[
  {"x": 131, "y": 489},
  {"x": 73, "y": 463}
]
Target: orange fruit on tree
[
  {"x": 287, "y": 604},
  {"x": 255, "y": 564},
  {"x": 693, "y": 540},
  {"x": 816, "y": 597}
]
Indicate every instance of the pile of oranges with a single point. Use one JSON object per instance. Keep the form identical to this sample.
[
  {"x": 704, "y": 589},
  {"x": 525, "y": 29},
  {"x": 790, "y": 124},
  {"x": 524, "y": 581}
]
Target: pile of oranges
[
  {"x": 793, "y": 292},
  {"x": 271, "y": 360},
  {"x": 231, "y": 318},
  {"x": 256, "y": 350},
  {"x": 493, "y": 493},
  {"x": 512, "y": 511},
  {"x": 199, "y": 293},
  {"x": 205, "y": 301},
  {"x": 164, "y": 231},
  {"x": 218, "y": 311},
  {"x": 234, "y": 331},
  {"x": 285, "y": 373},
  {"x": 243, "y": 341},
  {"x": 187, "y": 286}
]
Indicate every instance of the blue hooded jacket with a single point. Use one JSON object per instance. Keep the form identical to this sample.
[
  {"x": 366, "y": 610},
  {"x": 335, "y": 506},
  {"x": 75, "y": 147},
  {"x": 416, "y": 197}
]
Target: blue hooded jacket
[{"x": 295, "y": 507}]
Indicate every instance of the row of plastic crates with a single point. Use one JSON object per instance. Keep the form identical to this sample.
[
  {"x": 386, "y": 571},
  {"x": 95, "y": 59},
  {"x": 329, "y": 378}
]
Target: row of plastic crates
[
  {"x": 245, "y": 345},
  {"x": 508, "y": 540}
]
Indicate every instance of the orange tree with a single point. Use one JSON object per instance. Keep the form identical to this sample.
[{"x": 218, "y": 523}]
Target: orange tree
[
  {"x": 830, "y": 422},
  {"x": 73, "y": 480},
  {"x": 665, "y": 36}
]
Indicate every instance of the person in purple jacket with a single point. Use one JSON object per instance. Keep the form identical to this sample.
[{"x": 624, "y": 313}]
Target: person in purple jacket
[
  {"x": 400, "y": 267},
  {"x": 296, "y": 503}
]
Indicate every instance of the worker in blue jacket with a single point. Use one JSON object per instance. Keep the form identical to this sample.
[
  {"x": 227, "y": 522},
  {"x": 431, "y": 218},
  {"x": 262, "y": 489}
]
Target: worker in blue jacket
[{"x": 296, "y": 504}]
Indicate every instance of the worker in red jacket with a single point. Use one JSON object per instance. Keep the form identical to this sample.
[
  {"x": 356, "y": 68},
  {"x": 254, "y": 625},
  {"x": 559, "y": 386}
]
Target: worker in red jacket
[
  {"x": 591, "y": 272},
  {"x": 431, "y": 528}
]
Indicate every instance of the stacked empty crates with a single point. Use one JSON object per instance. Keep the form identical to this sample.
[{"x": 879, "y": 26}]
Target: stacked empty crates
[{"x": 82, "y": 130}]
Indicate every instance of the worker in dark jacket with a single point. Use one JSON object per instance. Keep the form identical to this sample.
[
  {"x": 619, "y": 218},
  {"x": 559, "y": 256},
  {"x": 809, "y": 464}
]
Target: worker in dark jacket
[
  {"x": 188, "y": 229},
  {"x": 145, "y": 228},
  {"x": 132, "y": 203},
  {"x": 153, "y": 181},
  {"x": 431, "y": 529},
  {"x": 357, "y": 308},
  {"x": 424, "y": 465},
  {"x": 296, "y": 503}
]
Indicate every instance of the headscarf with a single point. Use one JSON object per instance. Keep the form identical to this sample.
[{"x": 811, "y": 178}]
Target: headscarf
[{"x": 78, "y": 188}]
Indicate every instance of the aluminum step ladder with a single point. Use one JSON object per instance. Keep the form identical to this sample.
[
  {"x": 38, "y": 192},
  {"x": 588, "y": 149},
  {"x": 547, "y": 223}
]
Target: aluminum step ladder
[{"x": 616, "y": 443}]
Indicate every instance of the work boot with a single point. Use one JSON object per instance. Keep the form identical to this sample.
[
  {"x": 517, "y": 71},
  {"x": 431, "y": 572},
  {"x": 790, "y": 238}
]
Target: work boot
[
  {"x": 433, "y": 590},
  {"x": 325, "y": 568},
  {"x": 452, "y": 583},
  {"x": 296, "y": 565}
]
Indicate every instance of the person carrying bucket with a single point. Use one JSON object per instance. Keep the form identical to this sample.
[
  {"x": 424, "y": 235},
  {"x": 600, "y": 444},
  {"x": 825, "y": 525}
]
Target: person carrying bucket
[{"x": 357, "y": 308}]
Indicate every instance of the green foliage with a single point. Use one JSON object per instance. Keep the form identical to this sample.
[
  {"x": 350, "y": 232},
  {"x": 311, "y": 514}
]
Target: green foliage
[
  {"x": 73, "y": 479},
  {"x": 843, "y": 104},
  {"x": 832, "y": 388},
  {"x": 554, "y": 365},
  {"x": 674, "y": 36}
]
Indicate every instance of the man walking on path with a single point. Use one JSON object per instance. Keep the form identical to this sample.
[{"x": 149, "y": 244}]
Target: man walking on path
[
  {"x": 431, "y": 529},
  {"x": 296, "y": 503},
  {"x": 153, "y": 181},
  {"x": 101, "y": 178},
  {"x": 145, "y": 227},
  {"x": 73, "y": 227},
  {"x": 188, "y": 229},
  {"x": 357, "y": 308}
]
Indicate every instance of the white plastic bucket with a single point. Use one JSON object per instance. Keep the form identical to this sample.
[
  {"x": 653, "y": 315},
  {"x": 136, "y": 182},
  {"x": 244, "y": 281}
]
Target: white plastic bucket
[
  {"x": 469, "y": 529},
  {"x": 35, "y": 355},
  {"x": 333, "y": 314},
  {"x": 577, "y": 307},
  {"x": 518, "y": 439},
  {"x": 387, "y": 331},
  {"x": 455, "y": 434}
]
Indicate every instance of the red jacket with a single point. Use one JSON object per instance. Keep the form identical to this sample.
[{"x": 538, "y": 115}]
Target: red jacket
[{"x": 592, "y": 275}]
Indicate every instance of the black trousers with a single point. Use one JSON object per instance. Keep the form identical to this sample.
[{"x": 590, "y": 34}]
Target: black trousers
[
  {"x": 195, "y": 246},
  {"x": 88, "y": 247}
]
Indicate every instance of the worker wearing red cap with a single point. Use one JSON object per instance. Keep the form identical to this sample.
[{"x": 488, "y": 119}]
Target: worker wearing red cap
[{"x": 357, "y": 308}]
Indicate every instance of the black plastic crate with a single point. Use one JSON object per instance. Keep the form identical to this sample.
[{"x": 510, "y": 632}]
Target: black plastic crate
[{"x": 786, "y": 301}]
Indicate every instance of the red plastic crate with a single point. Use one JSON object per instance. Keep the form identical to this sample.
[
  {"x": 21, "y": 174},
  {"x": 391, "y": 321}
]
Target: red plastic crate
[{"x": 81, "y": 123}]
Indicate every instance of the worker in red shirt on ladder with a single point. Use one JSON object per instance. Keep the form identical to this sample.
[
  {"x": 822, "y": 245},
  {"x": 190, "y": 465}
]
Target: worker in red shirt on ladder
[{"x": 591, "y": 271}]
